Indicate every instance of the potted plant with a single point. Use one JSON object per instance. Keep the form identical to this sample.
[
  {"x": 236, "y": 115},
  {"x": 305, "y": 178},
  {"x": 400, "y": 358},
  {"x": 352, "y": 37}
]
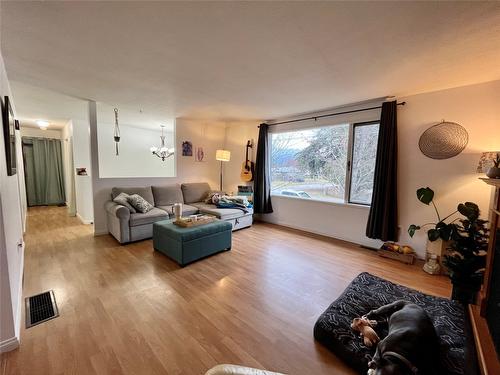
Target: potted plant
[
  {"x": 441, "y": 230},
  {"x": 468, "y": 243},
  {"x": 494, "y": 172},
  {"x": 467, "y": 259}
]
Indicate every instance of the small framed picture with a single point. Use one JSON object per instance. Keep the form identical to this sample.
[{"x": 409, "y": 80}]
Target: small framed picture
[
  {"x": 187, "y": 148},
  {"x": 81, "y": 171},
  {"x": 200, "y": 154}
]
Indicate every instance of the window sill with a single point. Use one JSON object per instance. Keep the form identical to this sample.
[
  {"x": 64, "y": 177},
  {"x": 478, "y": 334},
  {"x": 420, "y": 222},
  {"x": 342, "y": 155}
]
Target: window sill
[{"x": 343, "y": 204}]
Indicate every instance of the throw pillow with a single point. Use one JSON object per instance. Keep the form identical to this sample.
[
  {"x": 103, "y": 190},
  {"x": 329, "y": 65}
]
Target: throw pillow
[
  {"x": 213, "y": 197},
  {"x": 122, "y": 199},
  {"x": 139, "y": 203}
]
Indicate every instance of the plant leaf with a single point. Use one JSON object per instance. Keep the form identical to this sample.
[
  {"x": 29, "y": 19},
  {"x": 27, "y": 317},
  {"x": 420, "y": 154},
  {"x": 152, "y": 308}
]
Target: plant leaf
[
  {"x": 433, "y": 234},
  {"x": 412, "y": 229},
  {"x": 469, "y": 210},
  {"x": 425, "y": 195}
]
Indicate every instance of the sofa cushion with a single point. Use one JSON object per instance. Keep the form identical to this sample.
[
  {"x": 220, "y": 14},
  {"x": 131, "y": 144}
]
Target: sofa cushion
[
  {"x": 148, "y": 218},
  {"x": 186, "y": 210},
  {"x": 167, "y": 195},
  {"x": 122, "y": 199},
  {"x": 221, "y": 213},
  {"x": 195, "y": 192},
  {"x": 139, "y": 203},
  {"x": 144, "y": 192}
]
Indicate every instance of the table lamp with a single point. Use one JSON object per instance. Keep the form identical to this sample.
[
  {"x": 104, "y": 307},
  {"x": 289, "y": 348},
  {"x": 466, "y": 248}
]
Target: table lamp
[{"x": 488, "y": 163}]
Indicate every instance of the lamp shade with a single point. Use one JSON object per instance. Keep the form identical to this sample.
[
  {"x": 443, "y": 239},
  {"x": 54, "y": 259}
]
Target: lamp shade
[
  {"x": 223, "y": 155},
  {"x": 486, "y": 161}
]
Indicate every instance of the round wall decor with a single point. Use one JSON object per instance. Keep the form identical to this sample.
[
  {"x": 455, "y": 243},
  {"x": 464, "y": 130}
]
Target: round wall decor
[{"x": 443, "y": 140}]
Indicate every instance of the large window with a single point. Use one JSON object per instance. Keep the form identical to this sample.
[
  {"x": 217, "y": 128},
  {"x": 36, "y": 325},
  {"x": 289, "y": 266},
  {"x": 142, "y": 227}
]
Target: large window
[{"x": 332, "y": 163}]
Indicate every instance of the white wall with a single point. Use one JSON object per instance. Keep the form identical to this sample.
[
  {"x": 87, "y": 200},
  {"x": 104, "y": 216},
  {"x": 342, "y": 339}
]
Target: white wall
[
  {"x": 34, "y": 132},
  {"x": 454, "y": 180},
  {"x": 209, "y": 135},
  {"x": 475, "y": 107},
  {"x": 11, "y": 236},
  {"x": 135, "y": 159},
  {"x": 81, "y": 159},
  {"x": 237, "y": 135}
]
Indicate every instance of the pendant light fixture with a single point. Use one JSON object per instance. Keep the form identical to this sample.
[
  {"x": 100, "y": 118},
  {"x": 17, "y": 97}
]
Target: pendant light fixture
[
  {"x": 116, "y": 133},
  {"x": 162, "y": 152}
]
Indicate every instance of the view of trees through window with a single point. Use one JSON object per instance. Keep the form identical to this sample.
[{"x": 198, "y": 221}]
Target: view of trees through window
[{"x": 313, "y": 163}]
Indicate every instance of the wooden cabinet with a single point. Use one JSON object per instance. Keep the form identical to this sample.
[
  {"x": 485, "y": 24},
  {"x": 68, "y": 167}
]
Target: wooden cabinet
[{"x": 485, "y": 318}]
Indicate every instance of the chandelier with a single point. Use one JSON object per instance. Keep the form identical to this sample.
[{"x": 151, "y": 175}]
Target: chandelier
[{"x": 162, "y": 152}]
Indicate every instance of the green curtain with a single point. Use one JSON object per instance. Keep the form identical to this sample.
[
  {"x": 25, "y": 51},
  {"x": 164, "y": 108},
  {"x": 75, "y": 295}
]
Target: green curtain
[{"x": 43, "y": 171}]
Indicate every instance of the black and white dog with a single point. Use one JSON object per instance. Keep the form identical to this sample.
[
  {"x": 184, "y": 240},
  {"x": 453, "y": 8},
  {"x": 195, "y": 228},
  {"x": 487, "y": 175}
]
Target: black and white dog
[{"x": 411, "y": 346}]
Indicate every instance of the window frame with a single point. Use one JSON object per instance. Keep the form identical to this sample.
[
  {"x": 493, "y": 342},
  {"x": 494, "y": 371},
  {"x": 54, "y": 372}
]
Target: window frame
[
  {"x": 352, "y": 139},
  {"x": 350, "y": 147}
]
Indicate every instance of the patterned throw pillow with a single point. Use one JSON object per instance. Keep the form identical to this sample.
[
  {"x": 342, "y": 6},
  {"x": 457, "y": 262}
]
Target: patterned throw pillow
[
  {"x": 139, "y": 203},
  {"x": 122, "y": 199},
  {"x": 213, "y": 197}
]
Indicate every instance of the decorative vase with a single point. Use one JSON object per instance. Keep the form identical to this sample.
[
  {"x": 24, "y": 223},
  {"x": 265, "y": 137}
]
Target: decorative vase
[
  {"x": 464, "y": 293},
  {"x": 440, "y": 249},
  {"x": 432, "y": 266},
  {"x": 493, "y": 172},
  {"x": 177, "y": 210}
]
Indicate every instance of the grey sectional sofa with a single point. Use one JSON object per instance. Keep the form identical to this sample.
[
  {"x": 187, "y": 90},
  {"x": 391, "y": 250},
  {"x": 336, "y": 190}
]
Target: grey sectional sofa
[{"x": 127, "y": 227}]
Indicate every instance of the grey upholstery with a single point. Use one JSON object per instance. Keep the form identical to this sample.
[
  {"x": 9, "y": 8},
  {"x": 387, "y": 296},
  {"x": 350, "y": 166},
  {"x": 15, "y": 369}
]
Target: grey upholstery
[
  {"x": 148, "y": 218},
  {"x": 221, "y": 213},
  {"x": 186, "y": 210},
  {"x": 127, "y": 227},
  {"x": 144, "y": 192},
  {"x": 195, "y": 191},
  {"x": 167, "y": 195},
  {"x": 118, "y": 217}
]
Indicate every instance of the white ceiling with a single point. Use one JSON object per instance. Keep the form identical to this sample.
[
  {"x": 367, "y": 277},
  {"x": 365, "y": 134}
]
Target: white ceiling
[{"x": 245, "y": 60}]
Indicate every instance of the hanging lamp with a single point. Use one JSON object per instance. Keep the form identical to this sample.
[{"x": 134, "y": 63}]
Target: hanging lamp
[
  {"x": 116, "y": 133},
  {"x": 162, "y": 152}
]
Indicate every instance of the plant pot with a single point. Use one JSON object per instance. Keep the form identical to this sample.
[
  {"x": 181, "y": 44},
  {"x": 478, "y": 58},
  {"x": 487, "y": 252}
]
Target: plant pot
[
  {"x": 493, "y": 172},
  {"x": 464, "y": 293},
  {"x": 440, "y": 249}
]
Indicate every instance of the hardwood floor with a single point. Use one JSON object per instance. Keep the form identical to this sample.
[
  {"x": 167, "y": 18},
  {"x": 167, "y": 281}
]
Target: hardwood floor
[{"x": 129, "y": 310}]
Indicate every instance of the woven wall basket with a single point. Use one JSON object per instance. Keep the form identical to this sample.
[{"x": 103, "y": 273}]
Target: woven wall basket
[{"x": 443, "y": 140}]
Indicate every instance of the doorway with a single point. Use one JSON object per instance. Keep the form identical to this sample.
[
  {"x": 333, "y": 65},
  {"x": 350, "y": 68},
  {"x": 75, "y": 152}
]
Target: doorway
[{"x": 43, "y": 171}]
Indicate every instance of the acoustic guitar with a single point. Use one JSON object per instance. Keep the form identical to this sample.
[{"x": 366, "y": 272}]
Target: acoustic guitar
[{"x": 248, "y": 166}]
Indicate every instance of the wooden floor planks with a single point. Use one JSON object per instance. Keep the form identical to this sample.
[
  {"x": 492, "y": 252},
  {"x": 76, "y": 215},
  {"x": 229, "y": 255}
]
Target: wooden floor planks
[{"x": 130, "y": 310}]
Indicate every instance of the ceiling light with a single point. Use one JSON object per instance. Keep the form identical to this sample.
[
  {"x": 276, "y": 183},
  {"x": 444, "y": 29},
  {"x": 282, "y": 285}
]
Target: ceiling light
[
  {"x": 162, "y": 152},
  {"x": 42, "y": 124}
]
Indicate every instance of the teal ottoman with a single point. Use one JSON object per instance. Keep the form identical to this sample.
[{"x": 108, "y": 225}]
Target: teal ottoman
[{"x": 186, "y": 245}]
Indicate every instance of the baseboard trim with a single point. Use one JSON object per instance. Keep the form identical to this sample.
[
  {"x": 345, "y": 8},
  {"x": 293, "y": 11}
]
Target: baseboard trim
[
  {"x": 100, "y": 233},
  {"x": 84, "y": 221},
  {"x": 9, "y": 344}
]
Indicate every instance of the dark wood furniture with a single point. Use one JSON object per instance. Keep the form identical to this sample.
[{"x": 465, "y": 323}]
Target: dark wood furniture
[{"x": 485, "y": 317}]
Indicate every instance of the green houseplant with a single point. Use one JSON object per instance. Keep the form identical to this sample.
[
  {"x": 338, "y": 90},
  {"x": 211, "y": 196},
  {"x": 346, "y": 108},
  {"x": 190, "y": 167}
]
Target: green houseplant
[
  {"x": 440, "y": 229},
  {"x": 467, "y": 259},
  {"x": 468, "y": 238}
]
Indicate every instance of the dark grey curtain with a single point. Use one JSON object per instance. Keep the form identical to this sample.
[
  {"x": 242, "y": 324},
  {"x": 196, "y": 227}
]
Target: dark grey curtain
[
  {"x": 43, "y": 170},
  {"x": 262, "y": 181},
  {"x": 383, "y": 219}
]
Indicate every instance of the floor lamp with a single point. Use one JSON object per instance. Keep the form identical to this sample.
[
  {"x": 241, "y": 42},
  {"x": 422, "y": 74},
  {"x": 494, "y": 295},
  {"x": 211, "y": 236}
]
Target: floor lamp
[{"x": 222, "y": 156}]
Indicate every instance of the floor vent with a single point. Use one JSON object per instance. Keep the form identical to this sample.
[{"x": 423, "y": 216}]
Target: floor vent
[{"x": 41, "y": 308}]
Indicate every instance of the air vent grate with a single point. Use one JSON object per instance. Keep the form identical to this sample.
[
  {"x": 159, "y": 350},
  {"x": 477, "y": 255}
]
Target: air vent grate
[{"x": 41, "y": 308}]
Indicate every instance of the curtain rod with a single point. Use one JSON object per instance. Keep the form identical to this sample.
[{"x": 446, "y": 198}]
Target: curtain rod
[{"x": 329, "y": 115}]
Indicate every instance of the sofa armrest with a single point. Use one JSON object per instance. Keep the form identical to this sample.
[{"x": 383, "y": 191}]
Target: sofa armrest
[
  {"x": 238, "y": 370},
  {"x": 117, "y": 210},
  {"x": 118, "y": 218}
]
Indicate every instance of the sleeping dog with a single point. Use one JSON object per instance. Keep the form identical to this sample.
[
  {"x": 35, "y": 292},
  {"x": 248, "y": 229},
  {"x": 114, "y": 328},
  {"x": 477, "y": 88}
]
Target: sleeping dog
[{"x": 411, "y": 346}]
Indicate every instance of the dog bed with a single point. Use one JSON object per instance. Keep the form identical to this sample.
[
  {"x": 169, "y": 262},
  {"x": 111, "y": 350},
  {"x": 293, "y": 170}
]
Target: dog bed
[{"x": 367, "y": 292}]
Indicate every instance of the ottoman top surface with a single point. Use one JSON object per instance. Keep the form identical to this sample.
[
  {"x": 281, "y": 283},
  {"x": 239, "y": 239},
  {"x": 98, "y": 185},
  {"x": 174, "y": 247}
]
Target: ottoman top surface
[{"x": 168, "y": 228}]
